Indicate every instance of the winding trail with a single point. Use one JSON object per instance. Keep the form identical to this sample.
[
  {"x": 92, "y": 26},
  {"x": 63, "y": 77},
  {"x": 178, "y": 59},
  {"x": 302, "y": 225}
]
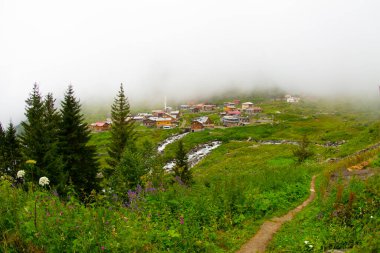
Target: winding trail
[{"x": 259, "y": 242}]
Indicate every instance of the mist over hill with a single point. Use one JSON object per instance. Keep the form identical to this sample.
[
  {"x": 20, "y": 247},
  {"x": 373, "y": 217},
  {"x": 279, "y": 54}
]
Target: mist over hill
[{"x": 186, "y": 50}]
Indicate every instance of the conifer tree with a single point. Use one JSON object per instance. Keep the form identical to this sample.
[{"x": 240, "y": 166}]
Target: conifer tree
[
  {"x": 80, "y": 163},
  {"x": 2, "y": 149},
  {"x": 181, "y": 169},
  {"x": 13, "y": 156},
  {"x": 32, "y": 138},
  {"x": 123, "y": 129},
  {"x": 52, "y": 160}
]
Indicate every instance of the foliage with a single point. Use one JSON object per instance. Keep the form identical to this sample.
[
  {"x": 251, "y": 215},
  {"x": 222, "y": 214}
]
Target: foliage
[
  {"x": 53, "y": 164},
  {"x": 302, "y": 152},
  {"x": 345, "y": 214},
  {"x": 11, "y": 157},
  {"x": 123, "y": 129},
  {"x": 34, "y": 133},
  {"x": 80, "y": 162},
  {"x": 181, "y": 168}
]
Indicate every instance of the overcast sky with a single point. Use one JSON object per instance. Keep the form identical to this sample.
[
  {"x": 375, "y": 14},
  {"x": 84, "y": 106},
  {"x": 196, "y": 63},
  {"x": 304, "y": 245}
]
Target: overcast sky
[{"x": 181, "y": 48}]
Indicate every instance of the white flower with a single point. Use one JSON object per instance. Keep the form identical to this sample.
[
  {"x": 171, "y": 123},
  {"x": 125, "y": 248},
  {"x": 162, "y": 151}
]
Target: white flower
[
  {"x": 20, "y": 174},
  {"x": 310, "y": 246},
  {"x": 306, "y": 242},
  {"x": 44, "y": 181},
  {"x": 371, "y": 217}
]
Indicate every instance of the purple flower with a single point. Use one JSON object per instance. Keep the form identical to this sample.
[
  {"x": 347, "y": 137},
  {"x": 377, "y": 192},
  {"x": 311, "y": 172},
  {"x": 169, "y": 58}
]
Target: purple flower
[
  {"x": 102, "y": 248},
  {"x": 181, "y": 220},
  {"x": 138, "y": 189}
]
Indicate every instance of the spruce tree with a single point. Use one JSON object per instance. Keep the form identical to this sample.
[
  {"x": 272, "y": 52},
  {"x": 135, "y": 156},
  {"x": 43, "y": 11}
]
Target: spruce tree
[
  {"x": 181, "y": 169},
  {"x": 2, "y": 149},
  {"x": 52, "y": 160},
  {"x": 32, "y": 139},
  {"x": 123, "y": 129},
  {"x": 13, "y": 156},
  {"x": 80, "y": 163}
]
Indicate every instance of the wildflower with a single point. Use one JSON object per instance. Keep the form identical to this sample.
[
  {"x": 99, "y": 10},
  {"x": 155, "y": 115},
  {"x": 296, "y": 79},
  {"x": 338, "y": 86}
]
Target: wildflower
[
  {"x": 371, "y": 217},
  {"x": 44, "y": 181},
  {"x": 306, "y": 242},
  {"x": 20, "y": 174},
  {"x": 181, "y": 220},
  {"x": 31, "y": 162},
  {"x": 310, "y": 246},
  {"x": 103, "y": 248}
]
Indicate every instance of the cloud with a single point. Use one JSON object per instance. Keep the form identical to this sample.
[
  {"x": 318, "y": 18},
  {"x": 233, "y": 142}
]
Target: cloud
[{"x": 184, "y": 48}]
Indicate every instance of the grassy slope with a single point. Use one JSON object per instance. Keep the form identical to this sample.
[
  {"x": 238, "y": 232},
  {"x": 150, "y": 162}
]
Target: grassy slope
[
  {"x": 345, "y": 215},
  {"x": 236, "y": 188}
]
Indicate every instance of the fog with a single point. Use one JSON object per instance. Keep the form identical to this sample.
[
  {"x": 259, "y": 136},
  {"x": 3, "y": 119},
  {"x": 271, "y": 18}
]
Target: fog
[{"x": 184, "y": 49}]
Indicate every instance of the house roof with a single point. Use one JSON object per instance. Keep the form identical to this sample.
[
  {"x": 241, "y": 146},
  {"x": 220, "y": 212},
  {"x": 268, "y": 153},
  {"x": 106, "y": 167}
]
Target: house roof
[
  {"x": 233, "y": 112},
  {"x": 160, "y": 119},
  {"x": 247, "y": 103},
  {"x": 100, "y": 124},
  {"x": 201, "y": 120}
]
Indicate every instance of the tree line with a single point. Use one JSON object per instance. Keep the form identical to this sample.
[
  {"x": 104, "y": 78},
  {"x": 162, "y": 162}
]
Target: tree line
[{"x": 57, "y": 143}]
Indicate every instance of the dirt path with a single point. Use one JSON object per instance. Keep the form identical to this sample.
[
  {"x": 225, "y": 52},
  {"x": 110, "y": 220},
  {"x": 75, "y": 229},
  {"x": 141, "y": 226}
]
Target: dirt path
[{"x": 259, "y": 242}]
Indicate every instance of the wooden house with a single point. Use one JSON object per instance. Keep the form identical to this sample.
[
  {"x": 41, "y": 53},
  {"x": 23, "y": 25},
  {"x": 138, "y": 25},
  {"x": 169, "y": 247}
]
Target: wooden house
[
  {"x": 253, "y": 110},
  {"x": 209, "y": 107},
  {"x": 161, "y": 122},
  {"x": 236, "y": 112},
  {"x": 246, "y": 105},
  {"x": 201, "y": 123},
  {"x": 100, "y": 126},
  {"x": 149, "y": 122},
  {"x": 230, "y": 121},
  {"x": 194, "y": 109}
]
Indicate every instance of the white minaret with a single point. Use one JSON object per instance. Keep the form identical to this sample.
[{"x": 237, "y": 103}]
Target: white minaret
[{"x": 165, "y": 105}]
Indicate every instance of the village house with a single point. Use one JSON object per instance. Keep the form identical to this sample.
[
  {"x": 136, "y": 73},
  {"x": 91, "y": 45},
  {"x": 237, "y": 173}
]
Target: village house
[
  {"x": 158, "y": 113},
  {"x": 253, "y": 110},
  {"x": 229, "y": 104},
  {"x": 194, "y": 109},
  {"x": 237, "y": 102},
  {"x": 234, "y": 120},
  {"x": 158, "y": 122},
  {"x": 201, "y": 123},
  {"x": 100, "y": 126},
  {"x": 237, "y": 113},
  {"x": 230, "y": 121},
  {"x": 209, "y": 107},
  {"x": 138, "y": 119},
  {"x": 229, "y": 108},
  {"x": 149, "y": 122},
  {"x": 175, "y": 114},
  {"x": 292, "y": 99},
  {"x": 184, "y": 107},
  {"x": 246, "y": 105}
]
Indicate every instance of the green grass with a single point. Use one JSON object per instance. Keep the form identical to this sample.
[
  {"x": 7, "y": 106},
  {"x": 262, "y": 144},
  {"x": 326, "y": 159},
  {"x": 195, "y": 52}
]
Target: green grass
[
  {"x": 236, "y": 188},
  {"x": 345, "y": 214}
]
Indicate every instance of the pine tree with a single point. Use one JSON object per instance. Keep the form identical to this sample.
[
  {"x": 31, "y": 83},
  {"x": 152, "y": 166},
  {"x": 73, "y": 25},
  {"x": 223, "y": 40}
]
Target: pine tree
[
  {"x": 181, "y": 169},
  {"x": 80, "y": 163},
  {"x": 32, "y": 138},
  {"x": 52, "y": 161},
  {"x": 302, "y": 152},
  {"x": 2, "y": 149},
  {"x": 123, "y": 129},
  {"x": 13, "y": 156}
]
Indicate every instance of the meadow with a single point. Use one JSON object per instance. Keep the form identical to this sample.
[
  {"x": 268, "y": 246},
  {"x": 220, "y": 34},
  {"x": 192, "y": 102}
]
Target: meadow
[{"x": 236, "y": 188}]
